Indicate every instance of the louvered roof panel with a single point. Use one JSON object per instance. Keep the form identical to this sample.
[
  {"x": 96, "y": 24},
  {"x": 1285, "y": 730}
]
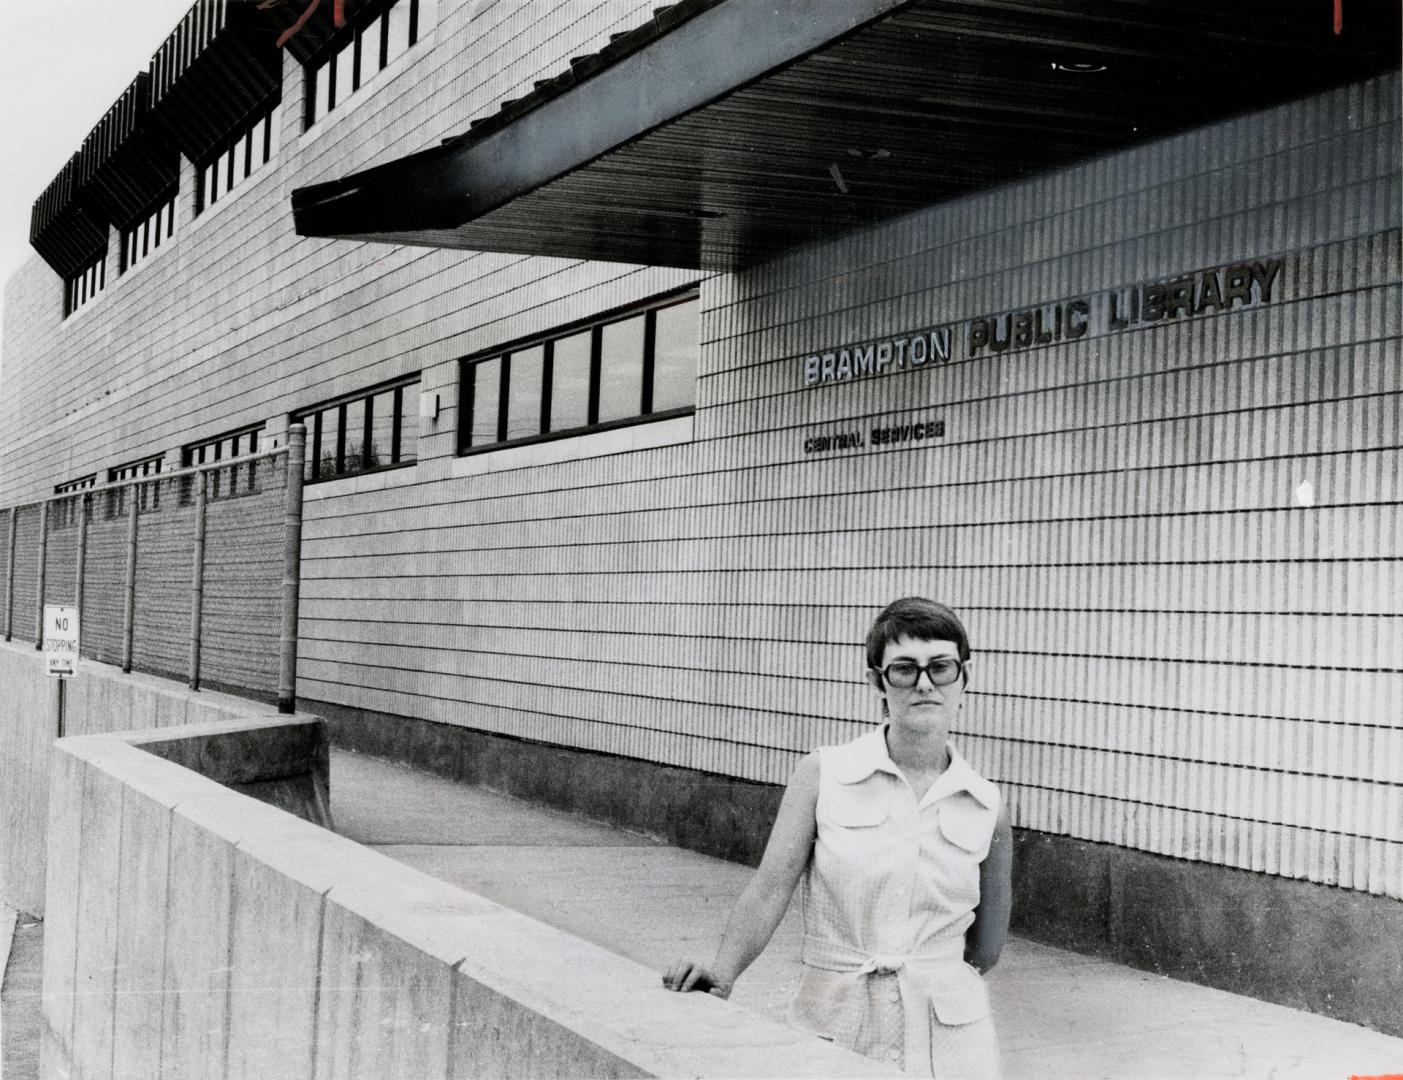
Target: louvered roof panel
[
  {"x": 833, "y": 117},
  {"x": 219, "y": 67}
]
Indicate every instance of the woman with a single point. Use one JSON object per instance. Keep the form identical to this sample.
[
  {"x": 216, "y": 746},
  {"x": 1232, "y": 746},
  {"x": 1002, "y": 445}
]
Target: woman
[{"x": 906, "y": 853}]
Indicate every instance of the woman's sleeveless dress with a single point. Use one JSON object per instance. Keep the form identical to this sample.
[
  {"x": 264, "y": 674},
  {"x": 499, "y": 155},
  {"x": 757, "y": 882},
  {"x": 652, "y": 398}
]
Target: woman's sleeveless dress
[{"x": 888, "y": 895}]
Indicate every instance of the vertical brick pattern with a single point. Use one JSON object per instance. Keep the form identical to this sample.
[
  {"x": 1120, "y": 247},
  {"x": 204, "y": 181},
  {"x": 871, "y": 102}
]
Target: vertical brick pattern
[
  {"x": 1174, "y": 544},
  {"x": 1174, "y": 651},
  {"x": 1178, "y": 649}
]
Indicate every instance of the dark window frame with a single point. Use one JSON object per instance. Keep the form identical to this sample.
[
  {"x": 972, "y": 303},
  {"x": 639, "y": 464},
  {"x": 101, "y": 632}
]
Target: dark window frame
[
  {"x": 595, "y": 325},
  {"x": 63, "y": 515},
  {"x": 193, "y": 454},
  {"x": 140, "y": 230},
  {"x": 76, "y": 291},
  {"x": 149, "y": 494},
  {"x": 312, "y": 418},
  {"x": 346, "y": 45},
  {"x": 263, "y": 114},
  {"x": 81, "y": 483}
]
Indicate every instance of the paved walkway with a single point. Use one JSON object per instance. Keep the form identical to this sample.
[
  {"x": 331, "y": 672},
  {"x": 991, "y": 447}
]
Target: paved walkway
[{"x": 1061, "y": 1016}]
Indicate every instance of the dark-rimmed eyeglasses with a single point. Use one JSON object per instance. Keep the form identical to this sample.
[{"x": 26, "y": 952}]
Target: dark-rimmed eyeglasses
[{"x": 904, "y": 674}]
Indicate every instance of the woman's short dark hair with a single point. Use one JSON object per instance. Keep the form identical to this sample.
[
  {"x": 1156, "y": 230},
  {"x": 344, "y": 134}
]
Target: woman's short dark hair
[{"x": 917, "y": 618}]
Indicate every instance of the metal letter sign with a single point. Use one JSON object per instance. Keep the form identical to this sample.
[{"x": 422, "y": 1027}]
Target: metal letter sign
[{"x": 60, "y": 641}]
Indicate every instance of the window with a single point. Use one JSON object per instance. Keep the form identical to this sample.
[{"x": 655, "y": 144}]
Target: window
[
  {"x": 87, "y": 283},
  {"x": 361, "y": 51},
  {"x": 223, "y": 483},
  {"x": 240, "y": 156},
  {"x": 144, "y": 238},
  {"x": 376, "y": 429},
  {"x": 148, "y": 495},
  {"x": 638, "y": 365},
  {"x": 76, "y": 485},
  {"x": 64, "y": 512}
]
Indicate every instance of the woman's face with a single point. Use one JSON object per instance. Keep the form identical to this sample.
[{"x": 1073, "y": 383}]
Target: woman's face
[{"x": 923, "y": 709}]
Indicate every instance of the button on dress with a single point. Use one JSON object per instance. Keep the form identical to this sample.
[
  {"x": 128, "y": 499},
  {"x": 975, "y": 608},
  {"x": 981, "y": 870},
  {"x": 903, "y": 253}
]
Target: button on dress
[{"x": 889, "y": 892}]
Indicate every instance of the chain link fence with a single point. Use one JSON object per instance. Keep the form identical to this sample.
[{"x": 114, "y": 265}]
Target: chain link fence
[{"x": 191, "y": 575}]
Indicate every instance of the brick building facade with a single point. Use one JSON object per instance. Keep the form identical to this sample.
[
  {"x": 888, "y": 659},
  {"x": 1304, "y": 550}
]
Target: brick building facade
[{"x": 1147, "y": 445}]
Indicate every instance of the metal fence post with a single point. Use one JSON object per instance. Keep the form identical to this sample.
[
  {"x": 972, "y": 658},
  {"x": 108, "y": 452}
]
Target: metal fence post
[
  {"x": 43, "y": 558},
  {"x": 197, "y": 585},
  {"x": 292, "y": 568},
  {"x": 129, "y": 608},
  {"x": 10, "y": 575},
  {"x": 82, "y": 555}
]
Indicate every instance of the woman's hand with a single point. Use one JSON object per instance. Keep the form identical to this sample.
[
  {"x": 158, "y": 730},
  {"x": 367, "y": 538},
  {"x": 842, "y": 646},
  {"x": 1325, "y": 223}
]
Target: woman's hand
[
  {"x": 687, "y": 975},
  {"x": 764, "y": 900}
]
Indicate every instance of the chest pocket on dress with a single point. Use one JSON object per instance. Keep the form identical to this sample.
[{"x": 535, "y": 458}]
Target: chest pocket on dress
[
  {"x": 857, "y": 806},
  {"x": 967, "y": 823}
]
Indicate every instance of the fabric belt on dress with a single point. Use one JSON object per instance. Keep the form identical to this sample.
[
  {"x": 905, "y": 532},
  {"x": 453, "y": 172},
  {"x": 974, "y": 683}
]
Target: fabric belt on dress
[{"x": 937, "y": 970}]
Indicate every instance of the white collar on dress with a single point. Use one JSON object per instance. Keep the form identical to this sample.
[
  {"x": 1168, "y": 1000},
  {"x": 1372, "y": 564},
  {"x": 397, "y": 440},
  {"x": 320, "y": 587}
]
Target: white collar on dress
[{"x": 868, "y": 754}]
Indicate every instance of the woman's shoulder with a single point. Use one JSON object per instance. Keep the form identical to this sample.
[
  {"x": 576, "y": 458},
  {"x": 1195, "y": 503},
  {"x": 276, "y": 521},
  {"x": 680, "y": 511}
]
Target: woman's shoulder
[
  {"x": 852, "y": 761},
  {"x": 972, "y": 780},
  {"x": 869, "y": 742}
]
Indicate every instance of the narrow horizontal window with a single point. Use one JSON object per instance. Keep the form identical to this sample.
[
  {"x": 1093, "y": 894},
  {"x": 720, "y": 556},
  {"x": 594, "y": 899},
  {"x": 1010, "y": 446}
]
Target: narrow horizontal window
[
  {"x": 629, "y": 367},
  {"x": 355, "y": 55},
  {"x": 363, "y": 432},
  {"x": 148, "y": 495},
  {"x": 87, "y": 284},
  {"x": 230, "y": 481},
  {"x": 63, "y": 513},
  {"x": 241, "y": 154},
  {"x": 144, "y": 237},
  {"x": 79, "y": 484}
]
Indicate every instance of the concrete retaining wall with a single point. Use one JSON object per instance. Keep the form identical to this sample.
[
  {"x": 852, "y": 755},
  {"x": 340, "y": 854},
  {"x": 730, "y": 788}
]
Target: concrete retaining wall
[
  {"x": 27, "y": 722},
  {"x": 100, "y": 699},
  {"x": 195, "y": 932}
]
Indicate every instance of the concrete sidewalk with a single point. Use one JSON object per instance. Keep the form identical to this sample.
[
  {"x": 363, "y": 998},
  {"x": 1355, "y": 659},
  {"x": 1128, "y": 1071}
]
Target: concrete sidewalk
[{"x": 1060, "y": 1014}]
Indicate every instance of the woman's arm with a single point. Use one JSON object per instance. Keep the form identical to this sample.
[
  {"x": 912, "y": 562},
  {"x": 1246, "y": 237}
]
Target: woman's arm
[
  {"x": 984, "y": 940},
  {"x": 762, "y": 905}
]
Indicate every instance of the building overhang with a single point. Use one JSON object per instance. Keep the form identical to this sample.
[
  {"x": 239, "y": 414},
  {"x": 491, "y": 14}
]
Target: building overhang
[
  {"x": 726, "y": 131},
  {"x": 220, "y": 67}
]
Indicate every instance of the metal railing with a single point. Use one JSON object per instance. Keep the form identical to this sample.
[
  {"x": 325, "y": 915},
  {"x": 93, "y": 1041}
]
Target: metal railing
[{"x": 193, "y": 574}]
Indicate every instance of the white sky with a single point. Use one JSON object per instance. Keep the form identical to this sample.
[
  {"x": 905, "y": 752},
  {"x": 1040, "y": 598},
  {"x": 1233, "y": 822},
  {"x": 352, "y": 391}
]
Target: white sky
[{"x": 63, "y": 63}]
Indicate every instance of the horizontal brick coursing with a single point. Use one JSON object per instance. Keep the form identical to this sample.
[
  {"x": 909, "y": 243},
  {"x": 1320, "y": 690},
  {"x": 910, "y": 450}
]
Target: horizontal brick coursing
[{"x": 1172, "y": 652}]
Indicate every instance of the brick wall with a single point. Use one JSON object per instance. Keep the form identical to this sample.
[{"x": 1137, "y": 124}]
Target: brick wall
[
  {"x": 1174, "y": 543},
  {"x": 1174, "y": 653}
]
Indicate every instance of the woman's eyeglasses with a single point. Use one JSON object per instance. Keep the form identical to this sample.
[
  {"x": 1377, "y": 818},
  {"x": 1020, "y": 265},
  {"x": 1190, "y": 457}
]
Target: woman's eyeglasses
[{"x": 904, "y": 674}]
